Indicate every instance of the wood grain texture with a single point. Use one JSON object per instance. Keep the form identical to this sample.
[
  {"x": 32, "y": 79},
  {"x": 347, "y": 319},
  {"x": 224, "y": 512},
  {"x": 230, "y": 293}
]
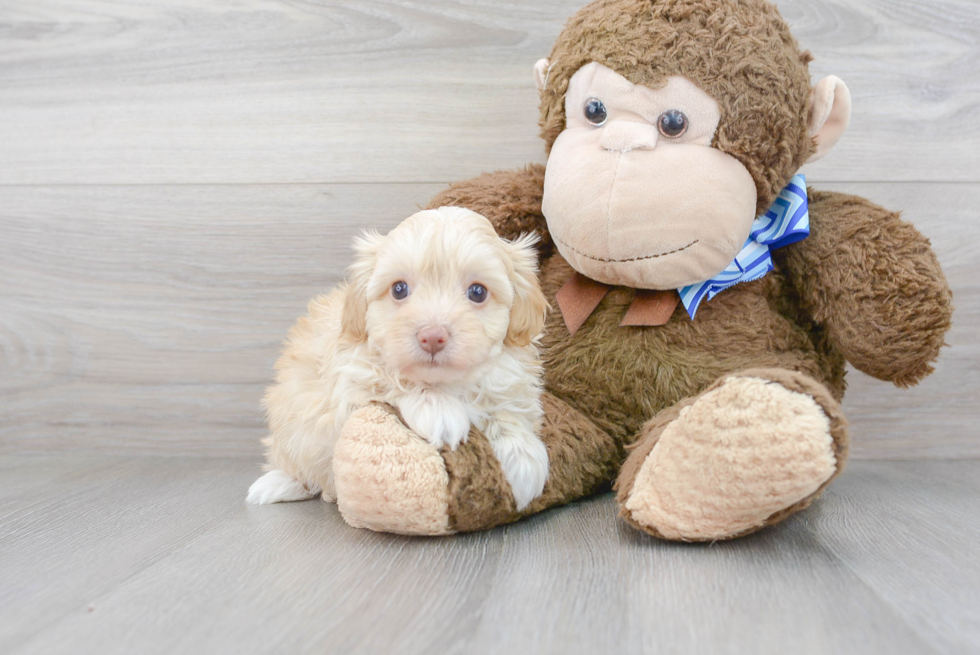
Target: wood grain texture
[
  {"x": 148, "y": 317},
  {"x": 264, "y": 91},
  {"x": 164, "y": 557},
  {"x": 917, "y": 526},
  {"x": 143, "y": 315},
  {"x": 178, "y": 178},
  {"x": 94, "y": 523}
]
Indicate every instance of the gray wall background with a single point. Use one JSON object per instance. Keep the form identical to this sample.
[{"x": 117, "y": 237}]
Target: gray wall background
[{"x": 178, "y": 178}]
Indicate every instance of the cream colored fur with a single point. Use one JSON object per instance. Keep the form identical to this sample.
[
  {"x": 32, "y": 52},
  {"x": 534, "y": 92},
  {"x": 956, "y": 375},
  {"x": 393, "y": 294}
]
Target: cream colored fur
[
  {"x": 359, "y": 345},
  {"x": 739, "y": 454}
]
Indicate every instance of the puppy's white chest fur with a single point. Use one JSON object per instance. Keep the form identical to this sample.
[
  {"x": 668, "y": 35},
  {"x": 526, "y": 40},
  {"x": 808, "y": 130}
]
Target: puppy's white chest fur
[{"x": 439, "y": 418}]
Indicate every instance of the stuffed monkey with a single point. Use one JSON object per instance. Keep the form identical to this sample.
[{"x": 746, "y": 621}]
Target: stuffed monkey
[{"x": 705, "y": 300}]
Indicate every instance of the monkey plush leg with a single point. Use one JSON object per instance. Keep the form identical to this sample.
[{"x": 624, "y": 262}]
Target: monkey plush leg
[
  {"x": 390, "y": 480},
  {"x": 752, "y": 449}
]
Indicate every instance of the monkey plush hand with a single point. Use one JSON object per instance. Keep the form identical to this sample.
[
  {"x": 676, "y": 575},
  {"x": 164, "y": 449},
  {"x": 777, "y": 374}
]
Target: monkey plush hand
[{"x": 707, "y": 302}]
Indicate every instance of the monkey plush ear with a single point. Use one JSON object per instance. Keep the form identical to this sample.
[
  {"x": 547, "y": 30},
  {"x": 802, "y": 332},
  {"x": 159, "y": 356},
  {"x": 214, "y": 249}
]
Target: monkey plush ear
[
  {"x": 830, "y": 113},
  {"x": 541, "y": 70}
]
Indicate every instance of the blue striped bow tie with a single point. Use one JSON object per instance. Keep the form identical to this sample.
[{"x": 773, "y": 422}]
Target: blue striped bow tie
[{"x": 787, "y": 221}]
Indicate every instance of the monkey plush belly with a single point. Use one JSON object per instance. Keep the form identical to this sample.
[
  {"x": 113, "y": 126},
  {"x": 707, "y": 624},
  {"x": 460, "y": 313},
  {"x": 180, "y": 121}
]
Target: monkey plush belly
[{"x": 622, "y": 376}]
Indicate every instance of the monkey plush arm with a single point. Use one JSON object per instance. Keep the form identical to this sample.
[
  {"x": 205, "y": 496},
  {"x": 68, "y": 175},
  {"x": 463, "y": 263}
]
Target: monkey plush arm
[
  {"x": 874, "y": 284},
  {"x": 510, "y": 199}
]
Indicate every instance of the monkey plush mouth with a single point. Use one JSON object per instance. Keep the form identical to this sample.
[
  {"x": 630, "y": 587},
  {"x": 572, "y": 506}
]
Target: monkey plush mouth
[{"x": 623, "y": 261}]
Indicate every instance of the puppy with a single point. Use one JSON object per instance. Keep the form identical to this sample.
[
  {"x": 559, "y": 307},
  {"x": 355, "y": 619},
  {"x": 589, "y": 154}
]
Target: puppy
[{"x": 440, "y": 319}]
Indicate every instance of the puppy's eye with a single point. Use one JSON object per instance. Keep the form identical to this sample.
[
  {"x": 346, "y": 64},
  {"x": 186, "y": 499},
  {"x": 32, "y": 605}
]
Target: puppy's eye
[
  {"x": 672, "y": 124},
  {"x": 477, "y": 293},
  {"x": 399, "y": 290},
  {"x": 595, "y": 111}
]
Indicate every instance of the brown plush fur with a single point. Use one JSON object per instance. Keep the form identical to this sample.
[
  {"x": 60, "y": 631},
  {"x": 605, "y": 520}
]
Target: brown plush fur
[
  {"x": 513, "y": 197},
  {"x": 865, "y": 287},
  {"x": 880, "y": 293},
  {"x": 582, "y": 459},
  {"x": 609, "y": 380}
]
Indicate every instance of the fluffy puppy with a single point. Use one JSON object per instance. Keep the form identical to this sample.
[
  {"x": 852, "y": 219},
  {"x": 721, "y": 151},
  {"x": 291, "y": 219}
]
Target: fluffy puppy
[{"x": 440, "y": 319}]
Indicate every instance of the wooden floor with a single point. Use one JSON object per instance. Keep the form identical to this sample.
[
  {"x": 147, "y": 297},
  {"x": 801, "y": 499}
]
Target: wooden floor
[{"x": 161, "y": 555}]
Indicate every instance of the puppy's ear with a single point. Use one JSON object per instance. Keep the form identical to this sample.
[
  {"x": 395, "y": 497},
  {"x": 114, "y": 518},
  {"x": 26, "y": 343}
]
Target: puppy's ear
[
  {"x": 353, "y": 318},
  {"x": 530, "y": 308}
]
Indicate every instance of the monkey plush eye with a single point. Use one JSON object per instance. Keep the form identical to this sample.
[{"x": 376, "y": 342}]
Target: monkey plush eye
[
  {"x": 672, "y": 124},
  {"x": 477, "y": 293},
  {"x": 595, "y": 111},
  {"x": 399, "y": 290}
]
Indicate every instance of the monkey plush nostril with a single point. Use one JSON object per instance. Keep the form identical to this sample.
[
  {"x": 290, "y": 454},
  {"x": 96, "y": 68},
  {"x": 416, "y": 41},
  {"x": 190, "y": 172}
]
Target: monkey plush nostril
[{"x": 433, "y": 338}]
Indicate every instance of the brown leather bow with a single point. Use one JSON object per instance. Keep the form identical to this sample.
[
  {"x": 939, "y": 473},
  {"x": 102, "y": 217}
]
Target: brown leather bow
[{"x": 579, "y": 297}]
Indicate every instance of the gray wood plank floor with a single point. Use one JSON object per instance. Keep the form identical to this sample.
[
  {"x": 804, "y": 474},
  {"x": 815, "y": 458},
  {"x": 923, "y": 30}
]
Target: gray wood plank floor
[{"x": 161, "y": 555}]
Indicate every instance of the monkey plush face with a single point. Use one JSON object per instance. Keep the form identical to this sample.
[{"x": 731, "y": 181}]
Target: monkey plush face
[
  {"x": 634, "y": 193},
  {"x": 671, "y": 125}
]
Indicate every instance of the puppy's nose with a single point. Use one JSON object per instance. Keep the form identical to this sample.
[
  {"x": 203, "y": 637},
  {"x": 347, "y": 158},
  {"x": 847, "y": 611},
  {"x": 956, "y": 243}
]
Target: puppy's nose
[{"x": 433, "y": 338}]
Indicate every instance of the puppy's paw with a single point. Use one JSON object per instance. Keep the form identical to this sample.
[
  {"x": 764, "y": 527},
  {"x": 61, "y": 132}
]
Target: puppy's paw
[
  {"x": 277, "y": 487},
  {"x": 524, "y": 461},
  {"x": 440, "y": 420}
]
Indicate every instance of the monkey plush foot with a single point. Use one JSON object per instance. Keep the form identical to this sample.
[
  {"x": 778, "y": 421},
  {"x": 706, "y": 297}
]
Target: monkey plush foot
[
  {"x": 753, "y": 449},
  {"x": 388, "y": 479}
]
